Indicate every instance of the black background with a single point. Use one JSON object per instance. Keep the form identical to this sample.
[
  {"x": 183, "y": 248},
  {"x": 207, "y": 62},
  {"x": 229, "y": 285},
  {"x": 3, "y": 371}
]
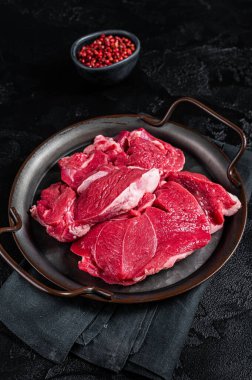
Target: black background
[{"x": 200, "y": 48}]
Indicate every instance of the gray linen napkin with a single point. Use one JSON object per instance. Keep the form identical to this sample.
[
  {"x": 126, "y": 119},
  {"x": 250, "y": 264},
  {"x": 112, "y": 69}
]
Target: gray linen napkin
[
  {"x": 117, "y": 338},
  {"x": 144, "y": 339},
  {"x": 49, "y": 325}
]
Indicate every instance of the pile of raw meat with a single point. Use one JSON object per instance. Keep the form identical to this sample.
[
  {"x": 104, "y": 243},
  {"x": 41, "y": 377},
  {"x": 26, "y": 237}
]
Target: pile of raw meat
[{"x": 129, "y": 208}]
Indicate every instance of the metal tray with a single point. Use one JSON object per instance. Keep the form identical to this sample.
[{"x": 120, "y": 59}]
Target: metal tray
[{"x": 56, "y": 263}]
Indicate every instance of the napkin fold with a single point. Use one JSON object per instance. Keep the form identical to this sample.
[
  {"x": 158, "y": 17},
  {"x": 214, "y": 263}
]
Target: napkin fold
[
  {"x": 117, "y": 338},
  {"x": 145, "y": 339},
  {"x": 49, "y": 325}
]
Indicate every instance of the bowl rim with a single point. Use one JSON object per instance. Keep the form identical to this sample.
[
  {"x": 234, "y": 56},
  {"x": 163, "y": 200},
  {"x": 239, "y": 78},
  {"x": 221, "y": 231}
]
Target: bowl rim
[{"x": 80, "y": 41}]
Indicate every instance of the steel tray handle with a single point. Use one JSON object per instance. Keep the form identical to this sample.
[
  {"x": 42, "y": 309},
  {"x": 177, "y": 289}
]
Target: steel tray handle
[
  {"x": 158, "y": 123},
  {"x": 17, "y": 224}
]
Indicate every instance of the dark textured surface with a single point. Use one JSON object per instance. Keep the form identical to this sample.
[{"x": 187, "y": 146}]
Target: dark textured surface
[{"x": 202, "y": 49}]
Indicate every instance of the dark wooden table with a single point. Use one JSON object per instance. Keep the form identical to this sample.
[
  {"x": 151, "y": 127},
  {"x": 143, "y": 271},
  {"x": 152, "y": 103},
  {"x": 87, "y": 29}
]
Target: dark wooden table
[{"x": 201, "y": 49}]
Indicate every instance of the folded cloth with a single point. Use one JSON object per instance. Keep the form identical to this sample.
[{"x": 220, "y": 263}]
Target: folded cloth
[
  {"x": 49, "y": 325},
  {"x": 156, "y": 352},
  {"x": 144, "y": 339},
  {"x": 117, "y": 338},
  {"x": 157, "y": 357}
]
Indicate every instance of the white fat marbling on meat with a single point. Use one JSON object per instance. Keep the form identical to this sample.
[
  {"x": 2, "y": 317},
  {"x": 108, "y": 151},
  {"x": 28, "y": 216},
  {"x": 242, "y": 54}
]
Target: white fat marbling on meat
[
  {"x": 85, "y": 184},
  {"x": 234, "y": 208},
  {"x": 131, "y": 196}
]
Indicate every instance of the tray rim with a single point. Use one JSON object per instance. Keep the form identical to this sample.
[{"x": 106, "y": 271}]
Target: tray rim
[{"x": 180, "y": 287}]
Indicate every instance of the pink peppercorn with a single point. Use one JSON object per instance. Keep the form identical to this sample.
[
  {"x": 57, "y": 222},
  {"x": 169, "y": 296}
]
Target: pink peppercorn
[{"x": 105, "y": 51}]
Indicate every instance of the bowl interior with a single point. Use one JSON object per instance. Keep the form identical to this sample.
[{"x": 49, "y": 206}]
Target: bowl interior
[
  {"x": 60, "y": 256},
  {"x": 55, "y": 261},
  {"x": 86, "y": 40}
]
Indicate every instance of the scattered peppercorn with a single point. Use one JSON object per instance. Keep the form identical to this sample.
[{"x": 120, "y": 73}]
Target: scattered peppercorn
[{"x": 105, "y": 51}]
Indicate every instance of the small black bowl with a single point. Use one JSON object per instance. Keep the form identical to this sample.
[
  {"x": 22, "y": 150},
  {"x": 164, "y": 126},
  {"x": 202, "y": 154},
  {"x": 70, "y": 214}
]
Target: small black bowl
[{"x": 108, "y": 74}]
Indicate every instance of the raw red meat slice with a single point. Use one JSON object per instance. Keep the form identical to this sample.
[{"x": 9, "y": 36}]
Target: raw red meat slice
[
  {"x": 122, "y": 139},
  {"x": 110, "y": 147},
  {"x": 138, "y": 233},
  {"x": 55, "y": 211},
  {"x": 114, "y": 194},
  {"x": 141, "y": 150},
  {"x": 102, "y": 172},
  {"x": 176, "y": 240},
  {"x": 125, "y": 138},
  {"x": 144, "y": 203},
  {"x": 121, "y": 251},
  {"x": 213, "y": 198},
  {"x": 146, "y": 151},
  {"x": 181, "y": 227},
  {"x": 109, "y": 249},
  {"x": 76, "y": 168}
]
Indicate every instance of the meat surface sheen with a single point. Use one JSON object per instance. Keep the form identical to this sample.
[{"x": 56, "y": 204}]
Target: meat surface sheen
[
  {"x": 110, "y": 147},
  {"x": 109, "y": 250},
  {"x": 121, "y": 251},
  {"x": 76, "y": 168},
  {"x": 137, "y": 148},
  {"x": 147, "y": 201},
  {"x": 146, "y": 151},
  {"x": 55, "y": 211},
  {"x": 114, "y": 194},
  {"x": 213, "y": 198},
  {"x": 102, "y": 172},
  {"x": 129, "y": 208},
  {"x": 181, "y": 226}
]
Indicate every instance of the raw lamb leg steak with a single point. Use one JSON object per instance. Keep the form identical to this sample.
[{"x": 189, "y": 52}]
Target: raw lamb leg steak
[
  {"x": 76, "y": 168},
  {"x": 146, "y": 151},
  {"x": 110, "y": 147},
  {"x": 125, "y": 251},
  {"x": 129, "y": 208},
  {"x": 116, "y": 249},
  {"x": 213, "y": 198},
  {"x": 117, "y": 192},
  {"x": 55, "y": 211}
]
